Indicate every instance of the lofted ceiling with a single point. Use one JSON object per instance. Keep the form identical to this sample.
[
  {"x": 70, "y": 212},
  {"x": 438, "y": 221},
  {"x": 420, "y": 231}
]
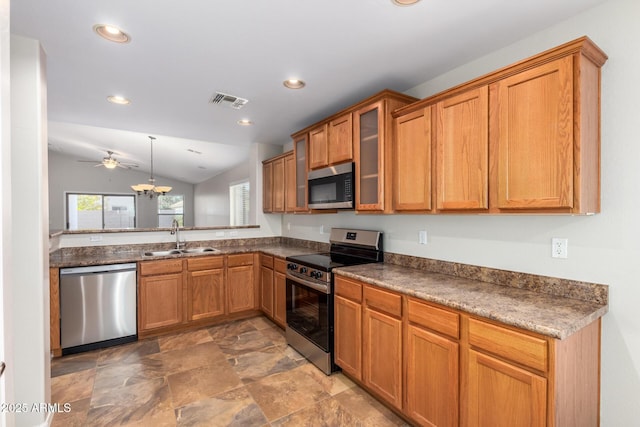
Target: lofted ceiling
[{"x": 182, "y": 53}]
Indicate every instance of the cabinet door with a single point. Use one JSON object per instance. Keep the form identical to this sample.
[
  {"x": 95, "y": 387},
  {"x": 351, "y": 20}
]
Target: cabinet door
[
  {"x": 277, "y": 185},
  {"x": 462, "y": 157},
  {"x": 348, "y": 336},
  {"x": 266, "y": 291},
  {"x": 240, "y": 289},
  {"x": 368, "y": 131},
  {"x": 432, "y": 378},
  {"x": 160, "y": 301},
  {"x": 267, "y": 186},
  {"x": 340, "y": 139},
  {"x": 533, "y": 131},
  {"x": 412, "y": 162},
  {"x": 318, "y": 147},
  {"x": 290, "y": 183},
  {"x": 206, "y": 293},
  {"x": 503, "y": 395},
  {"x": 382, "y": 355},
  {"x": 300, "y": 155},
  {"x": 280, "y": 299}
]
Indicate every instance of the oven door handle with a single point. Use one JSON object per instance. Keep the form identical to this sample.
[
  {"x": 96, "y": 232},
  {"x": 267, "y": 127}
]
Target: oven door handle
[{"x": 320, "y": 288}]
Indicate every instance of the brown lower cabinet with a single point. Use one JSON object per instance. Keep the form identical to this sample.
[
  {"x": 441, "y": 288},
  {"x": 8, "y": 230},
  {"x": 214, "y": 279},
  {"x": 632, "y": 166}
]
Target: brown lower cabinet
[
  {"x": 273, "y": 285},
  {"x": 241, "y": 294},
  {"x": 382, "y": 344},
  {"x": 205, "y": 287},
  {"x": 179, "y": 293},
  {"x": 160, "y": 302},
  {"x": 280, "y": 292},
  {"x": 266, "y": 284},
  {"x": 436, "y": 366}
]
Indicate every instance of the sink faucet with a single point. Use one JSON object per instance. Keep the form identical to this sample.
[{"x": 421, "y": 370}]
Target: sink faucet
[{"x": 175, "y": 229}]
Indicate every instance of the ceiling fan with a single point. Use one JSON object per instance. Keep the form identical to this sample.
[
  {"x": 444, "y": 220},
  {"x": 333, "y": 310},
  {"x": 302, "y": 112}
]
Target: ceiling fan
[{"x": 110, "y": 162}]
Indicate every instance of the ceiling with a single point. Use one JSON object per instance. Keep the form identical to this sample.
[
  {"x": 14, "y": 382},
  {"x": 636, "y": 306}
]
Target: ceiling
[{"x": 181, "y": 53}]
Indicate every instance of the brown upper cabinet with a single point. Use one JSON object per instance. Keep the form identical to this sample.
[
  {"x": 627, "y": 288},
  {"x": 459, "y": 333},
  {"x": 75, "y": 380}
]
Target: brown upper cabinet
[
  {"x": 372, "y": 134},
  {"x": 524, "y": 139},
  {"x": 361, "y": 133},
  {"x": 462, "y": 151},
  {"x": 533, "y": 139},
  {"x": 340, "y": 139},
  {"x": 300, "y": 149},
  {"x": 412, "y": 161},
  {"x": 276, "y": 184},
  {"x": 331, "y": 143},
  {"x": 267, "y": 186},
  {"x": 319, "y": 146}
]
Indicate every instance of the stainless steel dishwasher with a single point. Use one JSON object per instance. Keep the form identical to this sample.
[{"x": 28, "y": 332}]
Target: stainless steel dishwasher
[{"x": 97, "y": 306}]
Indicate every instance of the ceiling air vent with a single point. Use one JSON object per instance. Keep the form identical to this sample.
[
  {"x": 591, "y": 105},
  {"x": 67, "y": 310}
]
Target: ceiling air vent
[{"x": 224, "y": 98}]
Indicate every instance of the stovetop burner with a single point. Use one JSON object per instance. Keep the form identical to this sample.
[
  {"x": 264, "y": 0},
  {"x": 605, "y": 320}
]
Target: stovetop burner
[{"x": 324, "y": 261}]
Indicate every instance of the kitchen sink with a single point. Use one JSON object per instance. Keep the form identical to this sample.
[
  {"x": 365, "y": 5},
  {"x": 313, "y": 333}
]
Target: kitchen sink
[
  {"x": 200, "y": 250},
  {"x": 162, "y": 253}
]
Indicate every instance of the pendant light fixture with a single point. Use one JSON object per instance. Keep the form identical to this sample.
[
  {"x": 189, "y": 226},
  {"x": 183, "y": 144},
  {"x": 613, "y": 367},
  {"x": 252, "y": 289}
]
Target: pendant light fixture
[{"x": 150, "y": 190}]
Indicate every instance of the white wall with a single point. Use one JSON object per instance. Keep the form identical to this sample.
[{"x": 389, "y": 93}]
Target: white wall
[
  {"x": 6, "y": 242},
  {"x": 66, "y": 174},
  {"x": 211, "y": 197},
  {"x": 29, "y": 205},
  {"x": 603, "y": 248}
]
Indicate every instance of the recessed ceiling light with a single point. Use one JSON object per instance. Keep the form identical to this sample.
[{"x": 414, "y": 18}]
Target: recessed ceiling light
[
  {"x": 294, "y": 83},
  {"x": 117, "y": 99},
  {"x": 404, "y": 2},
  {"x": 245, "y": 122},
  {"x": 111, "y": 33}
]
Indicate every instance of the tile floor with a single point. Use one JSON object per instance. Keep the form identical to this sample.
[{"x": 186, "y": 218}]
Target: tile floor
[{"x": 241, "y": 374}]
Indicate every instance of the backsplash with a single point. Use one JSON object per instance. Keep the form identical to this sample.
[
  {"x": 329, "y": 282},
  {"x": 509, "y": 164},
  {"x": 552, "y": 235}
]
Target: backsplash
[{"x": 550, "y": 285}]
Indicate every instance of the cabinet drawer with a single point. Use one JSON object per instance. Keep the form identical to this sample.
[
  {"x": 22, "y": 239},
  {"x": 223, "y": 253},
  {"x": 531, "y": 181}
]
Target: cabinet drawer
[
  {"x": 160, "y": 267},
  {"x": 205, "y": 263},
  {"x": 518, "y": 347},
  {"x": 266, "y": 261},
  {"x": 239, "y": 259},
  {"x": 348, "y": 289},
  {"x": 280, "y": 265},
  {"x": 385, "y": 301},
  {"x": 434, "y": 318}
]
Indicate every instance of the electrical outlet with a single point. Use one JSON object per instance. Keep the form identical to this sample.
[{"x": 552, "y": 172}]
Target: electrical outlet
[
  {"x": 422, "y": 237},
  {"x": 289, "y": 226},
  {"x": 219, "y": 233},
  {"x": 559, "y": 247},
  {"x": 95, "y": 238},
  {"x": 233, "y": 233}
]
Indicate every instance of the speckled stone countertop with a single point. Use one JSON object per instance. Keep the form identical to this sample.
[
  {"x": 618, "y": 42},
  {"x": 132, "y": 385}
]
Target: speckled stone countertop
[
  {"x": 550, "y": 306},
  {"x": 540, "y": 312},
  {"x": 100, "y": 255}
]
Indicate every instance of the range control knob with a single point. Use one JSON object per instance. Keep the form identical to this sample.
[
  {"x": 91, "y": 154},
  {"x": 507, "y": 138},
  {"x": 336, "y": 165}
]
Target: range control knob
[
  {"x": 318, "y": 275},
  {"x": 303, "y": 270},
  {"x": 292, "y": 266}
]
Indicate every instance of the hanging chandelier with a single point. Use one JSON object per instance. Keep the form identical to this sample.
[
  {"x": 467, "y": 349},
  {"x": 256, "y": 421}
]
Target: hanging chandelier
[{"x": 150, "y": 190}]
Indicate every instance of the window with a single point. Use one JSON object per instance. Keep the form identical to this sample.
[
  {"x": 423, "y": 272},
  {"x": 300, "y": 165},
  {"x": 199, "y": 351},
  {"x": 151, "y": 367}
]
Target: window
[
  {"x": 170, "y": 207},
  {"x": 100, "y": 211},
  {"x": 239, "y": 203}
]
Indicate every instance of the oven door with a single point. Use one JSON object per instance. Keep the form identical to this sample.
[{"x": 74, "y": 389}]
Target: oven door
[{"x": 310, "y": 313}]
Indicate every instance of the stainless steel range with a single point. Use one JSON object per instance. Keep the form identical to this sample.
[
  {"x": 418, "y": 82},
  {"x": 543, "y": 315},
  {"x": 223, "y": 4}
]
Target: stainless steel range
[{"x": 310, "y": 292}]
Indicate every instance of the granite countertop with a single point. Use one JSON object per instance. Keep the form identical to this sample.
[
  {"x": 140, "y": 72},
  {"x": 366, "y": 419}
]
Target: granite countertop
[
  {"x": 546, "y": 314},
  {"x": 549, "y": 306},
  {"x": 61, "y": 259}
]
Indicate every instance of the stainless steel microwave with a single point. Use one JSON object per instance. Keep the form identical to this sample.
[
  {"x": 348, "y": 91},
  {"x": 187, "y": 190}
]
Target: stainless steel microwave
[{"x": 332, "y": 187}]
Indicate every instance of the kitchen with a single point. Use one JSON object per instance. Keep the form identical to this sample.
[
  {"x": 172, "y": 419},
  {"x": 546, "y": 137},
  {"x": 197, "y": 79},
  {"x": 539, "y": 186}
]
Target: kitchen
[{"x": 517, "y": 243}]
